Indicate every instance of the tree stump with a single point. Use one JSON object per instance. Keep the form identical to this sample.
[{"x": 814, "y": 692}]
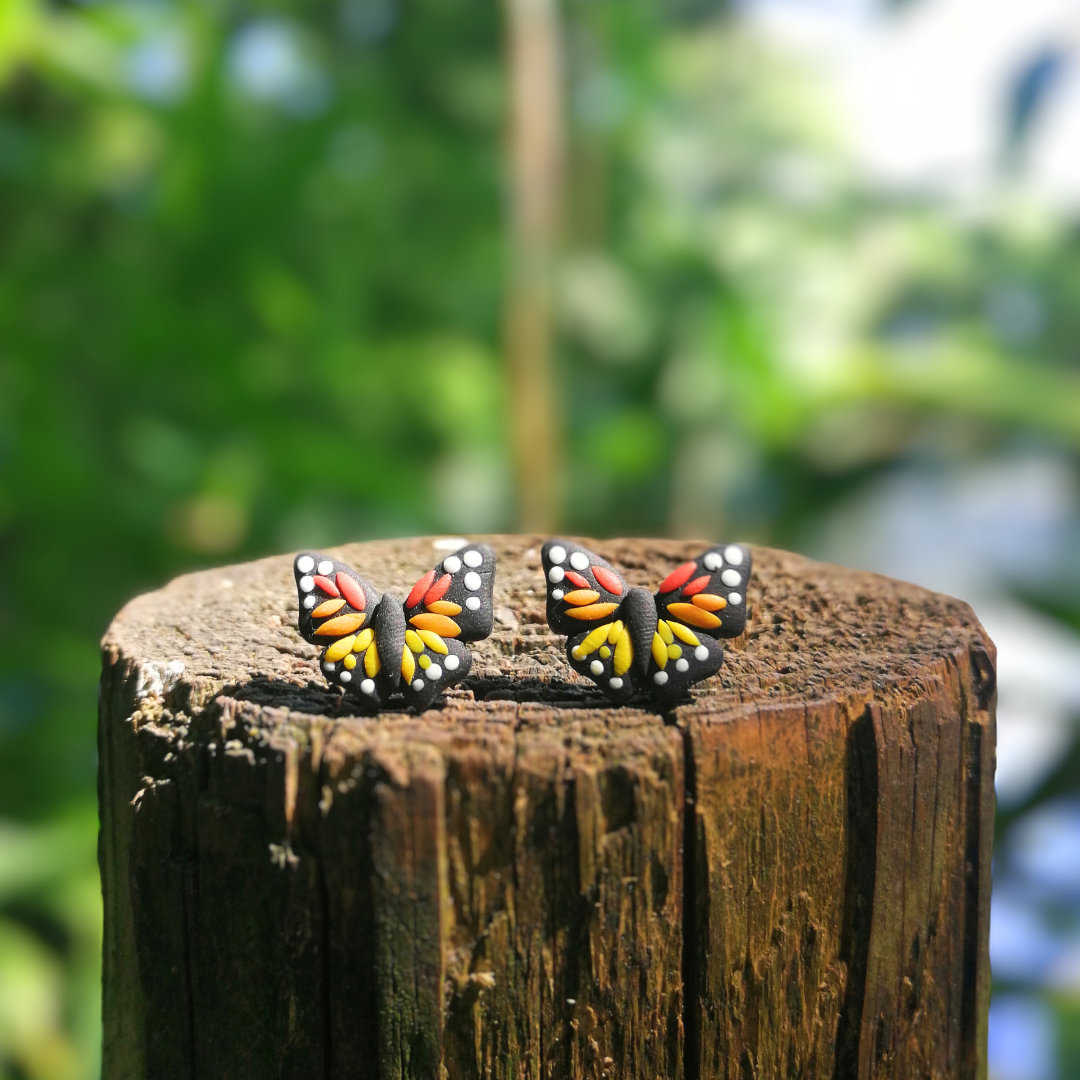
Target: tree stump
[{"x": 789, "y": 876}]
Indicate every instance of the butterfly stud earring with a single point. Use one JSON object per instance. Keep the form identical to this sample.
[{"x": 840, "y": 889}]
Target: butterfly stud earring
[
  {"x": 374, "y": 645},
  {"x": 628, "y": 639}
]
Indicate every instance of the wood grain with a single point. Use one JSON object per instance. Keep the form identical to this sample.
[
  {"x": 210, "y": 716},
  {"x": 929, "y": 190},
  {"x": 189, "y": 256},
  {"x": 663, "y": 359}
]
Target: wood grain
[{"x": 786, "y": 876}]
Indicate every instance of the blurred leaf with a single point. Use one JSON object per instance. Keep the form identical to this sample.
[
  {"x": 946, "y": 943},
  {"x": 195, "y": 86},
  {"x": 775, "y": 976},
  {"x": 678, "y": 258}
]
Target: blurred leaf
[
  {"x": 33, "y": 858},
  {"x": 31, "y": 1008},
  {"x": 627, "y": 444}
]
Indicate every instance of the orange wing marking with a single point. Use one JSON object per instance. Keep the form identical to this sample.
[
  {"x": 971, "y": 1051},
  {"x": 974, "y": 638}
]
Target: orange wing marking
[
  {"x": 439, "y": 624},
  {"x": 595, "y": 611},
  {"x": 688, "y": 613}
]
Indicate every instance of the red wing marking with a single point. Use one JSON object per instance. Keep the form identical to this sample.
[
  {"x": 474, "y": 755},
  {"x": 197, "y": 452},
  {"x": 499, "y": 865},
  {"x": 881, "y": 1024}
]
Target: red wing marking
[
  {"x": 351, "y": 591},
  {"x": 419, "y": 589},
  {"x": 577, "y": 579},
  {"x": 608, "y": 580},
  {"x": 696, "y": 585},
  {"x": 326, "y": 585},
  {"x": 438, "y": 590},
  {"x": 678, "y": 577}
]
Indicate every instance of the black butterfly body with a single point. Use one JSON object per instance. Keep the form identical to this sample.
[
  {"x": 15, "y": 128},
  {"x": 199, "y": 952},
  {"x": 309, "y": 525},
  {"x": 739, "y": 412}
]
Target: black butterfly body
[
  {"x": 627, "y": 639},
  {"x": 376, "y": 645}
]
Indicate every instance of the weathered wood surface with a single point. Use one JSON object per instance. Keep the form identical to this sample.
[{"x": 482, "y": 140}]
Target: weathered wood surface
[{"x": 787, "y": 877}]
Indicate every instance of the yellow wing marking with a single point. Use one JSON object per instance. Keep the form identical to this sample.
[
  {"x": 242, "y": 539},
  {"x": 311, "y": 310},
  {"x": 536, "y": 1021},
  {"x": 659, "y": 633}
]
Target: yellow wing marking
[
  {"x": 624, "y": 653},
  {"x": 433, "y": 641},
  {"x": 593, "y": 640},
  {"x": 684, "y": 634},
  {"x": 372, "y": 663},
  {"x": 659, "y": 650},
  {"x": 338, "y": 650}
]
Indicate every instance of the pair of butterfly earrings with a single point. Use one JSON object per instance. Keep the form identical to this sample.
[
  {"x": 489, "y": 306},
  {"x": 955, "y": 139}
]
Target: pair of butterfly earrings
[{"x": 625, "y": 639}]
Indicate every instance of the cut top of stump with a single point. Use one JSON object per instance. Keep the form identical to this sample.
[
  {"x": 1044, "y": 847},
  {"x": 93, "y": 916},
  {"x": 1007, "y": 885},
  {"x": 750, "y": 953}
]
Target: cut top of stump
[{"x": 813, "y": 630}]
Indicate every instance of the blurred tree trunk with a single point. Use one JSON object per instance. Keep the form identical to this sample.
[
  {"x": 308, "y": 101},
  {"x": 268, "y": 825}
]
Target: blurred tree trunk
[{"x": 534, "y": 159}]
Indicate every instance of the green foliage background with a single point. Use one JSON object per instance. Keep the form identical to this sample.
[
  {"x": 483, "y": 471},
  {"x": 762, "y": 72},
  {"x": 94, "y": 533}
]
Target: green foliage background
[{"x": 240, "y": 317}]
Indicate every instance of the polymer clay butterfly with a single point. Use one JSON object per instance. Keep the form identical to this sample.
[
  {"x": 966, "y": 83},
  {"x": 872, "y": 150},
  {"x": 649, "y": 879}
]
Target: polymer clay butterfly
[
  {"x": 375, "y": 645},
  {"x": 627, "y": 639}
]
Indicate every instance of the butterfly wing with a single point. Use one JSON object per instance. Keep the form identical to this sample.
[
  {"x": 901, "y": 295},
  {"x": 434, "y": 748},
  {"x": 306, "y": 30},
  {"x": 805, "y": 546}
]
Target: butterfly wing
[
  {"x": 583, "y": 590},
  {"x": 586, "y": 600},
  {"x": 709, "y": 593},
  {"x": 448, "y": 607},
  {"x": 605, "y": 655},
  {"x": 698, "y": 602},
  {"x": 336, "y": 608}
]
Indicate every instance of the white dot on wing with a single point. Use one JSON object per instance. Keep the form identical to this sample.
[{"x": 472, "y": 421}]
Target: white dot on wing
[
  {"x": 596, "y": 667},
  {"x": 712, "y": 560},
  {"x": 682, "y": 665},
  {"x": 451, "y": 663},
  {"x": 325, "y": 567},
  {"x": 418, "y": 684},
  {"x": 557, "y": 594},
  {"x": 734, "y": 598},
  {"x": 309, "y": 602},
  {"x": 731, "y": 578},
  {"x": 434, "y": 673},
  {"x": 451, "y": 564},
  {"x": 304, "y": 564},
  {"x": 472, "y": 558},
  {"x": 616, "y": 683},
  {"x": 345, "y": 676},
  {"x": 701, "y": 653},
  {"x": 368, "y": 686},
  {"x": 328, "y": 668},
  {"x": 734, "y": 554},
  {"x": 307, "y": 584},
  {"x": 472, "y": 603},
  {"x": 557, "y": 554},
  {"x": 660, "y": 678},
  {"x": 556, "y": 574},
  {"x": 580, "y": 561},
  {"x": 472, "y": 581}
]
